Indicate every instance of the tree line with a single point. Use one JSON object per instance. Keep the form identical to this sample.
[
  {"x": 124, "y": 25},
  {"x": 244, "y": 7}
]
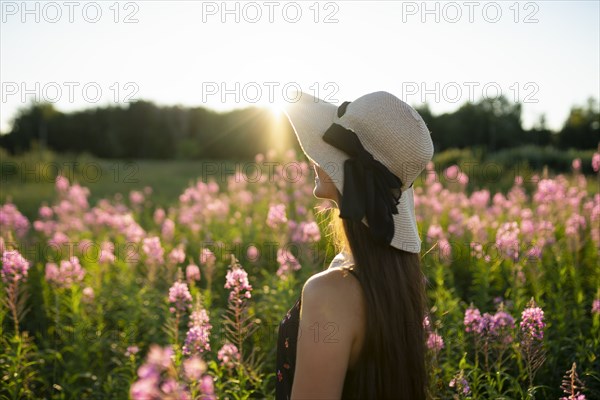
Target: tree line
[{"x": 145, "y": 130}]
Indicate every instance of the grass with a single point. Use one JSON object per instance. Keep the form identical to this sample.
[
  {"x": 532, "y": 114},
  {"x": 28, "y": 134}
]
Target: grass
[{"x": 104, "y": 178}]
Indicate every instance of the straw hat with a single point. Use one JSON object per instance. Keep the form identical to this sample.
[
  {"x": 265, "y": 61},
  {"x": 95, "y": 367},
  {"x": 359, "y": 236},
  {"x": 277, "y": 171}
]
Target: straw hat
[{"x": 387, "y": 145}]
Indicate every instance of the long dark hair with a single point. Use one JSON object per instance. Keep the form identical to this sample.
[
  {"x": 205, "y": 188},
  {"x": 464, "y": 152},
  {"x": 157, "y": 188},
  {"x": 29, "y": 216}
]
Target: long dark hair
[{"x": 392, "y": 363}]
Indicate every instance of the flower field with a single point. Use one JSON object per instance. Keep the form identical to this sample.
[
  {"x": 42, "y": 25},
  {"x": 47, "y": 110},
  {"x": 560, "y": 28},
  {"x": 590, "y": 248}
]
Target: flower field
[{"x": 127, "y": 298}]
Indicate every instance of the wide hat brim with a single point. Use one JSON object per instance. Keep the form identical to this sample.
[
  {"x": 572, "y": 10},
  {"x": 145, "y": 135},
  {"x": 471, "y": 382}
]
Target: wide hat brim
[{"x": 310, "y": 117}]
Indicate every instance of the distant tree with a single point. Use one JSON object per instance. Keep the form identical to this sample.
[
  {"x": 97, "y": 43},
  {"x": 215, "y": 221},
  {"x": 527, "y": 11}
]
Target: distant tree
[
  {"x": 540, "y": 135},
  {"x": 581, "y": 130},
  {"x": 29, "y": 124},
  {"x": 490, "y": 123},
  {"x": 145, "y": 130}
]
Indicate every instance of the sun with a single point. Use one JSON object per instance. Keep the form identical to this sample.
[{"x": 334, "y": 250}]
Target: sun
[
  {"x": 277, "y": 126},
  {"x": 275, "y": 108}
]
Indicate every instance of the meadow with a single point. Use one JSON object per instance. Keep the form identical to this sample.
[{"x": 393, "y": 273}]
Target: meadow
[{"x": 130, "y": 279}]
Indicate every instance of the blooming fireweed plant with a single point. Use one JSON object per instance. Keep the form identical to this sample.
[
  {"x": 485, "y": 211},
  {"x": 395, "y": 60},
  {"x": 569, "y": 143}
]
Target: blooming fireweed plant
[{"x": 132, "y": 298}]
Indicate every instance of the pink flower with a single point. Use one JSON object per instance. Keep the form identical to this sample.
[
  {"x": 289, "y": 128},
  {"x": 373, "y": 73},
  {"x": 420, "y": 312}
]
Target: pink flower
[
  {"x": 180, "y": 296},
  {"x": 527, "y": 227},
  {"x": 198, "y": 336},
  {"x": 107, "y": 255},
  {"x": 12, "y": 219},
  {"x": 52, "y": 272},
  {"x": 576, "y": 164},
  {"x": 497, "y": 326},
  {"x": 596, "y": 162},
  {"x": 88, "y": 295},
  {"x": 176, "y": 256},
  {"x": 577, "y": 396},
  {"x": 287, "y": 263},
  {"x": 168, "y": 229},
  {"x": 207, "y": 257},
  {"x": 507, "y": 239},
  {"x": 574, "y": 223},
  {"x": 62, "y": 184},
  {"x": 532, "y": 322},
  {"x": 144, "y": 389},
  {"x": 472, "y": 320},
  {"x": 427, "y": 323},
  {"x": 192, "y": 273},
  {"x": 502, "y": 320},
  {"x": 207, "y": 387},
  {"x": 252, "y": 253},
  {"x": 534, "y": 253},
  {"x": 460, "y": 383},
  {"x": 159, "y": 216},
  {"x": 451, "y": 173},
  {"x": 276, "y": 215},
  {"x": 160, "y": 357},
  {"x": 70, "y": 272},
  {"x": 445, "y": 249},
  {"x": 435, "y": 232},
  {"x": 435, "y": 342},
  {"x": 58, "y": 239},
  {"x": 194, "y": 368},
  {"x": 502, "y": 325},
  {"x": 196, "y": 341},
  {"x": 305, "y": 232},
  {"x": 46, "y": 212},
  {"x": 199, "y": 317},
  {"x": 486, "y": 324},
  {"x": 228, "y": 355},
  {"x": 549, "y": 191},
  {"x": 480, "y": 199},
  {"x": 14, "y": 267},
  {"x": 169, "y": 386},
  {"x": 237, "y": 280},
  {"x": 153, "y": 250},
  {"x": 136, "y": 197},
  {"x": 596, "y": 306},
  {"x": 84, "y": 245},
  {"x": 160, "y": 379},
  {"x": 78, "y": 196},
  {"x": 131, "y": 350}
]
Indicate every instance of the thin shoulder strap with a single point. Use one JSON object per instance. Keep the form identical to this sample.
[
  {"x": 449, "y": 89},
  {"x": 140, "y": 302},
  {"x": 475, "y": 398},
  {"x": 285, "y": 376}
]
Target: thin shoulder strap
[{"x": 353, "y": 272}]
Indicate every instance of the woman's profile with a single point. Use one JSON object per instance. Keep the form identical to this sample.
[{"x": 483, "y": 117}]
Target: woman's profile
[{"x": 361, "y": 319}]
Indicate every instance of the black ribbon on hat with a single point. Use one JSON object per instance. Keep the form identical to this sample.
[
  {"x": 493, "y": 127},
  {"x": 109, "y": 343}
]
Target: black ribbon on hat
[{"x": 370, "y": 188}]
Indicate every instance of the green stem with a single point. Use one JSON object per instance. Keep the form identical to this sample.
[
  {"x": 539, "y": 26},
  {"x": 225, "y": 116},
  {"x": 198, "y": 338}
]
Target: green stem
[
  {"x": 176, "y": 328},
  {"x": 12, "y": 301},
  {"x": 238, "y": 326}
]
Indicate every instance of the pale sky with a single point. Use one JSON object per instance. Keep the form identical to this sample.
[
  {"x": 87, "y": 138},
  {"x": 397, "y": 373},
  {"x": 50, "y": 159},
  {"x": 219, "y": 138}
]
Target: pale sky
[{"x": 182, "y": 52}]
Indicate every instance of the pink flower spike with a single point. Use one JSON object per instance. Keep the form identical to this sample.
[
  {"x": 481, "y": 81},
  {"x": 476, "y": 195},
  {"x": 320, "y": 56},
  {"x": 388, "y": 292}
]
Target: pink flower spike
[
  {"x": 14, "y": 267},
  {"x": 180, "y": 296},
  {"x": 532, "y": 322}
]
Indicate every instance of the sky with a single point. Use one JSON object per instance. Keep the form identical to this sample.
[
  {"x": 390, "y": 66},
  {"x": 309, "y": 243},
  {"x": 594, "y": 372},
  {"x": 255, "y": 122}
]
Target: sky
[{"x": 76, "y": 55}]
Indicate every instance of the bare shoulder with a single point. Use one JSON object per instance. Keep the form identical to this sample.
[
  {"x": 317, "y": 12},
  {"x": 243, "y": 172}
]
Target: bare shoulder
[
  {"x": 334, "y": 279},
  {"x": 335, "y": 292}
]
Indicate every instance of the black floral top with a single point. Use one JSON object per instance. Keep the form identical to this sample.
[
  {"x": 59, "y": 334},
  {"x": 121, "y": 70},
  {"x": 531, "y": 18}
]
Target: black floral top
[
  {"x": 286, "y": 345},
  {"x": 286, "y": 352}
]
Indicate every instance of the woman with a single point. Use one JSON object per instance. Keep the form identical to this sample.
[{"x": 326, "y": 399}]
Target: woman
[{"x": 360, "y": 334}]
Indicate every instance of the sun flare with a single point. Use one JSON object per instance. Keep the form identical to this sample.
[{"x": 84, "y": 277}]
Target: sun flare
[{"x": 275, "y": 108}]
